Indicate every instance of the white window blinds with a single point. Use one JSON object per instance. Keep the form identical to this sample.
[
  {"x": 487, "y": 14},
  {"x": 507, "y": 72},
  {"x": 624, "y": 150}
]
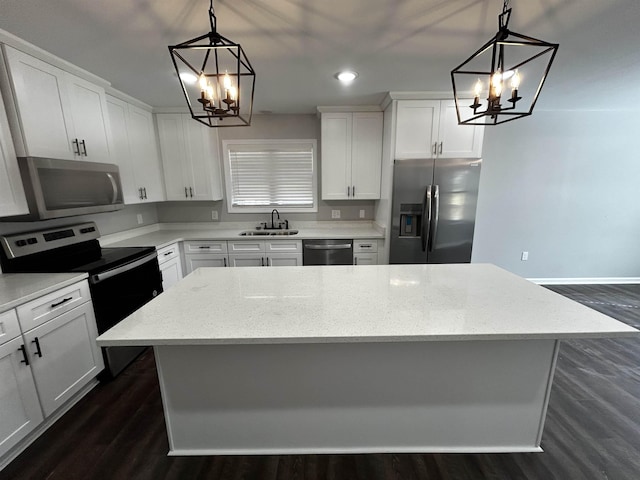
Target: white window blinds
[{"x": 271, "y": 175}]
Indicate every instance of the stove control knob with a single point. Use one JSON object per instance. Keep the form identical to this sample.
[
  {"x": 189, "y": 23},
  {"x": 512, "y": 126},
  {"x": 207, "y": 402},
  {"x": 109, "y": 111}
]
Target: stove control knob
[{"x": 155, "y": 293}]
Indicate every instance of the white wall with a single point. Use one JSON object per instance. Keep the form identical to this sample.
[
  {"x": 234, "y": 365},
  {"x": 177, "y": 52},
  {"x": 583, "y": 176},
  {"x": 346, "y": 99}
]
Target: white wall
[{"x": 564, "y": 186}]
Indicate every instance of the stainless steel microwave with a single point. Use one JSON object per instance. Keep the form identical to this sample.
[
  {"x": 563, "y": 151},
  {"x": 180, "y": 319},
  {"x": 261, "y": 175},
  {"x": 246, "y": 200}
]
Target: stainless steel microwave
[{"x": 64, "y": 188}]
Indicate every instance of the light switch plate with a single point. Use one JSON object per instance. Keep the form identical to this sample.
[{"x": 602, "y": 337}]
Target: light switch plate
[
  {"x": 361, "y": 213},
  {"x": 140, "y": 219},
  {"x": 214, "y": 215},
  {"x": 335, "y": 213},
  {"x": 525, "y": 256}
]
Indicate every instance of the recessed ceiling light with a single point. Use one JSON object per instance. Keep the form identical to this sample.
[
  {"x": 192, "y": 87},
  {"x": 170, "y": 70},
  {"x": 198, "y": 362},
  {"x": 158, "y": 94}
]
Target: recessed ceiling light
[
  {"x": 346, "y": 76},
  {"x": 189, "y": 78}
]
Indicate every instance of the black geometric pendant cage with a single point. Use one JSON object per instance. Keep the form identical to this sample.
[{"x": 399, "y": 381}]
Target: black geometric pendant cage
[
  {"x": 216, "y": 77},
  {"x": 506, "y": 66}
]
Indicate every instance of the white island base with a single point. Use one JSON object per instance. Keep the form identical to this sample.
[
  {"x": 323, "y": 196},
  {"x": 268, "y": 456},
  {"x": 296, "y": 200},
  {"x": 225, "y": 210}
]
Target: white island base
[{"x": 439, "y": 396}]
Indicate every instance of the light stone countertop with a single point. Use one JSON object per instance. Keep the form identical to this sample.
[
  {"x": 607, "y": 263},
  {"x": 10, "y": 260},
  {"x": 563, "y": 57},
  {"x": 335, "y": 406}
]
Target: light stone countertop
[
  {"x": 19, "y": 288},
  {"x": 383, "y": 303},
  {"x": 166, "y": 234}
]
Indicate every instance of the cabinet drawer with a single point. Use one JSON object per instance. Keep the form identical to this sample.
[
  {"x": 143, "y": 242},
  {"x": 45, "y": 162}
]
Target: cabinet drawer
[
  {"x": 365, "y": 246},
  {"x": 9, "y": 326},
  {"x": 246, "y": 246},
  {"x": 49, "y": 306},
  {"x": 205, "y": 246},
  {"x": 283, "y": 246},
  {"x": 168, "y": 253}
]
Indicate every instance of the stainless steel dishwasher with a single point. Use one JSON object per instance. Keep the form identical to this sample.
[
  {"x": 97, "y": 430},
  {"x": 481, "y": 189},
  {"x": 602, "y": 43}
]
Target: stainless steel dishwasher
[{"x": 327, "y": 252}]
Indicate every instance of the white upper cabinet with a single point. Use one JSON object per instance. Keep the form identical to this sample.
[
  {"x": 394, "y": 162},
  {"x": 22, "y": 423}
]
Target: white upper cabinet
[
  {"x": 135, "y": 152},
  {"x": 429, "y": 129},
  {"x": 58, "y": 115},
  {"x": 351, "y": 155},
  {"x": 190, "y": 158},
  {"x": 12, "y": 199}
]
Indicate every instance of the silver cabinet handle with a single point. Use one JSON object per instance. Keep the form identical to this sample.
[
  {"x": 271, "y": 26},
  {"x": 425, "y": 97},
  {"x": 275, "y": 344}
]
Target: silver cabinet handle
[
  {"x": 355, "y": 261},
  {"x": 225, "y": 261},
  {"x": 84, "y": 148},
  {"x": 186, "y": 195},
  {"x": 348, "y": 191},
  {"x": 440, "y": 150},
  {"x": 168, "y": 253},
  {"x": 76, "y": 146},
  {"x": 435, "y": 148},
  {"x": 191, "y": 191},
  {"x": 204, "y": 246},
  {"x": 353, "y": 191},
  {"x": 262, "y": 261},
  {"x": 145, "y": 192},
  {"x": 140, "y": 190}
]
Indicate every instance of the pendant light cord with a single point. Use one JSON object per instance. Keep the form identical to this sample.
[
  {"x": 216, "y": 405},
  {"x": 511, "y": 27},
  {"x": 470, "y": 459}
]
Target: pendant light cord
[
  {"x": 505, "y": 6},
  {"x": 212, "y": 17}
]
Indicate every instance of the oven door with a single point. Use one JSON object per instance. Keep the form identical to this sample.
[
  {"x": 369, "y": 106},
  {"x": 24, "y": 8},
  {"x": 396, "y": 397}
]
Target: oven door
[{"x": 117, "y": 293}]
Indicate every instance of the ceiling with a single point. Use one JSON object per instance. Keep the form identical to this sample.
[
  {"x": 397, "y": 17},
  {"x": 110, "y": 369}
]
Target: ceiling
[{"x": 297, "y": 46}]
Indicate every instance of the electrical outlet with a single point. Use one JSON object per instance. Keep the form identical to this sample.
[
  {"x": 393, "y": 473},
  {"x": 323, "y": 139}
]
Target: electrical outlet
[
  {"x": 214, "y": 214},
  {"x": 140, "y": 219},
  {"x": 335, "y": 213},
  {"x": 361, "y": 213},
  {"x": 525, "y": 256}
]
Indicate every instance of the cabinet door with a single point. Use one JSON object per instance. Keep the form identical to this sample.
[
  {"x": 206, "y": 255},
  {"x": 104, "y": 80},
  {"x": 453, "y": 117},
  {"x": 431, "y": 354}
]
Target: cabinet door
[
  {"x": 202, "y": 166},
  {"x": 147, "y": 168},
  {"x": 193, "y": 262},
  {"x": 40, "y": 93},
  {"x": 365, "y": 258},
  {"x": 247, "y": 260},
  {"x": 91, "y": 122},
  {"x": 117, "y": 110},
  {"x": 171, "y": 273},
  {"x": 457, "y": 141},
  {"x": 284, "y": 259},
  {"x": 173, "y": 148},
  {"x": 416, "y": 128},
  {"x": 366, "y": 155},
  {"x": 20, "y": 411},
  {"x": 69, "y": 357},
  {"x": 336, "y": 155},
  {"x": 12, "y": 199}
]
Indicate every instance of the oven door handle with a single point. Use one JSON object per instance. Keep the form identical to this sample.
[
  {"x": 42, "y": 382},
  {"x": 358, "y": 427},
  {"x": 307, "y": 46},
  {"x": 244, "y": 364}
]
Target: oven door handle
[{"x": 100, "y": 277}]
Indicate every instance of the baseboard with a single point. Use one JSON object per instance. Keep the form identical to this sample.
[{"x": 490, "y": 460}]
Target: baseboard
[{"x": 585, "y": 281}]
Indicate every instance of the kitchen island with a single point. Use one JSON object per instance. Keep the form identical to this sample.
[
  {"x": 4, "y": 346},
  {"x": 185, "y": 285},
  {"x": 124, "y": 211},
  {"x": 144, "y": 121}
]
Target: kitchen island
[{"x": 389, "y": 358}]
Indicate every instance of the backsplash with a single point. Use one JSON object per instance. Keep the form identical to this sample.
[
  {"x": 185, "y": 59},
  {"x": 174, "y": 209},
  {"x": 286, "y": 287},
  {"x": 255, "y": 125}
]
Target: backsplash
[{"x": 201, "y": 212}]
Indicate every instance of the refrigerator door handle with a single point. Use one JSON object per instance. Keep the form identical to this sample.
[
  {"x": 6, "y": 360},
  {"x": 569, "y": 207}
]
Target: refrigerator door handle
[
  {"x": 436, "y": 217},
  {"x": 426, "y": 218}
]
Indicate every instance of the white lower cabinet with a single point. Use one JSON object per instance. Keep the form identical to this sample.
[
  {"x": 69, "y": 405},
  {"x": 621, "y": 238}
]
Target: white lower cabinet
[
  {"x": 170, "y": 265},
  {"x": 365, "y": 252},
  {"x": 20, "y": 410},
  {"x": 48, "y": 353},
  {"x": 246, "y": 260},
  {"x": 284, "y": 259},
  {"x": 204, "y": 253},
  {"x": 64, "y": 355}
]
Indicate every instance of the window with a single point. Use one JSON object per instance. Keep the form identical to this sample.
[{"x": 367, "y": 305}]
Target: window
[{"x": 265, "y": 174}]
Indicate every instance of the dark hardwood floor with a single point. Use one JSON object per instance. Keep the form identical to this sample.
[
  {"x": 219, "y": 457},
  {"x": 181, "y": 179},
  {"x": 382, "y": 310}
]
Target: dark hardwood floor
[{"x": 592, "y": 429}]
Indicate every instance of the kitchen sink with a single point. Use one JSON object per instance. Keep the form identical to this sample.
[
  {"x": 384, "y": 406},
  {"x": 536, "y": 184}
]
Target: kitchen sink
[{"x": 265, "y": 233}]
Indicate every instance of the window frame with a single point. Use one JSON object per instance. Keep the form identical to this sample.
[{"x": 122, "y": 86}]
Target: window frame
[{"x": 227, "y": 144}]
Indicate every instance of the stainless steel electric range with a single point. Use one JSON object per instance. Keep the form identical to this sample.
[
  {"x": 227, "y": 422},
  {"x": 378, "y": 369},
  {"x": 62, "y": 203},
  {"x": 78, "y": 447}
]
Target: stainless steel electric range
[{"x": 121, "y": 280}]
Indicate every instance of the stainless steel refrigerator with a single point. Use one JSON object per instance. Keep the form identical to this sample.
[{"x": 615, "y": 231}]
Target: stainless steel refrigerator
[{"x": 434, "y": 210}]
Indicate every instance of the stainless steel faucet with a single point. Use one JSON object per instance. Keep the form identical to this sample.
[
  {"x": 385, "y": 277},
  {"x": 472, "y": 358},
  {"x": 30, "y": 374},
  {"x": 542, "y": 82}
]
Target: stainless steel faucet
[{"x": 273, "y": 226}]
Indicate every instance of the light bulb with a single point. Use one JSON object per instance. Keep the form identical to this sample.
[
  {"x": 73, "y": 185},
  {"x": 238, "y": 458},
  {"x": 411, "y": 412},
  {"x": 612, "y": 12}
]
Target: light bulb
[
  {"x": 226, "y": 81},
  {"x": 203, "y": 82},
  {"x": 496, "y": 83},
  {"x": 478, "y": 88},
  {"x": 515, "y": 80},
  {"x": 209, "y": 90},
  {"x": 233, "y": 92}
]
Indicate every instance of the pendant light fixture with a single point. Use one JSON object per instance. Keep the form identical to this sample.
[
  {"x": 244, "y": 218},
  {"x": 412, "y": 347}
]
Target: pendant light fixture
[
  {"x": 216, "y": 77},
  {"x": 503, "y": 76}
]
